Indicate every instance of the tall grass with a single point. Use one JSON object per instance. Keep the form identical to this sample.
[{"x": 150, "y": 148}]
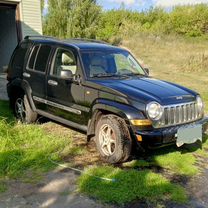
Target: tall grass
[
  {"x": 173, "y": 58},
  {"x": 27, "y": 148}
]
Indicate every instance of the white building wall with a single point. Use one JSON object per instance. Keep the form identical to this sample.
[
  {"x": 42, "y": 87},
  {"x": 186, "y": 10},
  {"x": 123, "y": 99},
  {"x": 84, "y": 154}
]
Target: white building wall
[{"x": 31, "y": 17}]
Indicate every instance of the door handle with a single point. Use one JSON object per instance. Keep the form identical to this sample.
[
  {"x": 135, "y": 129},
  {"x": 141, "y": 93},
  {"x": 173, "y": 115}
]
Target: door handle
[
  {"x": 52, "y": 82},
  {"x": 27, "y": 75}
]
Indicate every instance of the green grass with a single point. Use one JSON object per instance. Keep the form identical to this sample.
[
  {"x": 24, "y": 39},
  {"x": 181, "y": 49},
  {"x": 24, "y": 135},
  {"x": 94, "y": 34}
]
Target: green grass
[
  {"x": 5, "y": 112},
  {"x": 130, "y": 185},
  {"x": 182, "y": 161},
  {"x": 3, "y": 187},
  {"x": 182, "y": 164},
  {"x": 144, "y": 183},
  {"x": 27, "y": 147}
]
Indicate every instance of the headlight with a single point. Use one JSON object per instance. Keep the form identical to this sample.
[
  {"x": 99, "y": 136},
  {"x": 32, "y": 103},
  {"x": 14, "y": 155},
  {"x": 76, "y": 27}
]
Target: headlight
[
  {"x": 154, "y": 110},
  {"x": 200, "y": 105}
]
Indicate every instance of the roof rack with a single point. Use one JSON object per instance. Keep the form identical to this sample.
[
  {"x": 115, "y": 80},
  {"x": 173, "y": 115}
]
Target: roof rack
[
  {"x": 88, "y": 40},
  {"x": 28, "y": 37}
]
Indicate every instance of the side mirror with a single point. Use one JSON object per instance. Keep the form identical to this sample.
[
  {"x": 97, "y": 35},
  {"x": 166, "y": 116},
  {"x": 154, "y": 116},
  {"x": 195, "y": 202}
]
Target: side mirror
[
  {"x": 66, "y": 74},
  {"x": 146, "y": 70}
]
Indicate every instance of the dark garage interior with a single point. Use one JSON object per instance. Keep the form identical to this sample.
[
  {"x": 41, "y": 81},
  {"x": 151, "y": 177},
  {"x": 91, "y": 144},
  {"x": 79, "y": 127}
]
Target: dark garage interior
[{"x": 8, "y": 33}]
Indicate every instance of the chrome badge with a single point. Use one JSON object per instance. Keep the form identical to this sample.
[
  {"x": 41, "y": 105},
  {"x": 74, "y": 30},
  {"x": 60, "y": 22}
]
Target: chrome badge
[{"x": 179, "y": 98}]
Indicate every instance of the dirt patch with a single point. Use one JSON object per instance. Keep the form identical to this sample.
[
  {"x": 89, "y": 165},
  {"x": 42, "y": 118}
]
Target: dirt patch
[
  {"x": 56, "y": 190},
  {"x": 198, "y": 186},
  {"x": 85, "y": 153}
]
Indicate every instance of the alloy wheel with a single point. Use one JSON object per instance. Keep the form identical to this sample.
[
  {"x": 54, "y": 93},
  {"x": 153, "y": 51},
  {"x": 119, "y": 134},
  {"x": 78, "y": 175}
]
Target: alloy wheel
[
  {"x": 20, "y": 109},
  {"x": 107, "y": 140}
]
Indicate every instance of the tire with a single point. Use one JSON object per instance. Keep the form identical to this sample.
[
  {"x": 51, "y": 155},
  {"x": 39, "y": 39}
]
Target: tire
[
  {"x": 23, "y": 111},
  {"x": 115, "y": 148}
]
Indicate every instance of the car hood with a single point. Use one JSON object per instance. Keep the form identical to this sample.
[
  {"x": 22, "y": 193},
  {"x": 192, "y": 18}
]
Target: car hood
[{"x": 148, "y": 89}]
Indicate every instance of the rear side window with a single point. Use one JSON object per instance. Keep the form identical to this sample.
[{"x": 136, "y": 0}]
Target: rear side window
[
  {"x": 39, "y": 58},
  {"x": 42, "y": 58}
]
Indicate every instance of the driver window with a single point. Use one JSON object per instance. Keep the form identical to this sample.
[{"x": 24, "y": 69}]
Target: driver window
[{"x": 64, "y": 60}]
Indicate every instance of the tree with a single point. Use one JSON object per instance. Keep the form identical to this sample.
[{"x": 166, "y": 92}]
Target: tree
[
  {"x": 42, "y": 3},
  {"x": 72, "y": 18}
]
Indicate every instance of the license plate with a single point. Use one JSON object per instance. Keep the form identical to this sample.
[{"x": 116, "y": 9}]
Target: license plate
[{"x": 189, "y": 135}]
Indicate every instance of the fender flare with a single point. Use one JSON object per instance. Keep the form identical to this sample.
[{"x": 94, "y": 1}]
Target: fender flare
[
  {"x": 124, "y": 111},
  {"x": 28, "y": 92},
  {"x": 24, "y": 85}
]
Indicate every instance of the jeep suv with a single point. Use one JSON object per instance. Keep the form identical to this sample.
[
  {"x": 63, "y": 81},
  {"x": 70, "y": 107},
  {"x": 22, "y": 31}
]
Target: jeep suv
[{"x": 101, "y": 90}]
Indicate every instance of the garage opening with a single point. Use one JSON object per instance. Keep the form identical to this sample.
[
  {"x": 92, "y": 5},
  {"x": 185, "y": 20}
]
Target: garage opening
[{"x": 9, "y": 32}]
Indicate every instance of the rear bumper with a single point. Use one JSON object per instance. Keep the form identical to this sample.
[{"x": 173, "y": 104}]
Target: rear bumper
[{"x": 166, "y": 136}]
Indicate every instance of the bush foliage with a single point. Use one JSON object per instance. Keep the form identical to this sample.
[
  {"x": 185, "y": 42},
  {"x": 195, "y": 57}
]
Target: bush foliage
[
  {"x": 84, "y": 18},
  {"x": 189, "y": 21}
]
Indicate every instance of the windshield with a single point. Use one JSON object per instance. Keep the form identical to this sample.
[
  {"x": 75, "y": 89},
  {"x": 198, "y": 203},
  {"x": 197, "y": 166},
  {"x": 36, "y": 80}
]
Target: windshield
[{"x": 110, "y": 63}]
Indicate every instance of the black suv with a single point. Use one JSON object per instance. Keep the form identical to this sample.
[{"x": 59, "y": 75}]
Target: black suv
[{"x": 101, "y": 90}]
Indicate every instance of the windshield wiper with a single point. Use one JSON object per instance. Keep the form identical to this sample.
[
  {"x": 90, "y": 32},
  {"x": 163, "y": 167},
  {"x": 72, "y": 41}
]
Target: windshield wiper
[
  {"x": 136, "y": 74},
  {"x": 108, "y": 75},
  {"x": 116, "y": 75}
]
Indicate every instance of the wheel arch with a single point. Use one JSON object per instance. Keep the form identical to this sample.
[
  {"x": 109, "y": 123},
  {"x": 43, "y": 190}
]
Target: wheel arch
[
  {"x": 17, "y": 87},
  {"x": 104, "y": 107}
]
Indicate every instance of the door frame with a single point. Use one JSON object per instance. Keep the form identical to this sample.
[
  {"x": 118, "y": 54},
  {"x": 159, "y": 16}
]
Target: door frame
[{"x": 14, "y": 5}]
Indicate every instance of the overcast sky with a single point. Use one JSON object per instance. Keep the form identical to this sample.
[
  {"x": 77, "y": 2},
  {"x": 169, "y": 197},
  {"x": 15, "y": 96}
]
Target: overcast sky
[{"x": 146, "y": 4}]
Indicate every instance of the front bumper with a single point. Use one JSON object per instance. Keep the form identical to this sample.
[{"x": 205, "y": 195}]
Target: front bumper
[{"x": 166, "y": 136}]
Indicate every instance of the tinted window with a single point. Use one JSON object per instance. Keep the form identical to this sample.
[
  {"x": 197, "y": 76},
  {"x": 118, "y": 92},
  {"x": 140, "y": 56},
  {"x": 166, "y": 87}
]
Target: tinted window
[
  {"x": 64, "y": 60},
  {"x": 18, "y": 59},
  {"x": 32, "y": 58},
  {"x": 104, "y": 63},
  {"x": 42, "y": 58}
]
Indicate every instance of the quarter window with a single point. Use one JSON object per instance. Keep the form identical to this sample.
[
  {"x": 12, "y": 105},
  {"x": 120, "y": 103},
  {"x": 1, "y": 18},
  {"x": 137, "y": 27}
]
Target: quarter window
[{"x": 18, "y": 60}]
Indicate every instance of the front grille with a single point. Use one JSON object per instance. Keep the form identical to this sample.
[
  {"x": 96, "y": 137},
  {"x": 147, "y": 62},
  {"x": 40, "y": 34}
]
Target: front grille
[{"x": 178, "y": 114}]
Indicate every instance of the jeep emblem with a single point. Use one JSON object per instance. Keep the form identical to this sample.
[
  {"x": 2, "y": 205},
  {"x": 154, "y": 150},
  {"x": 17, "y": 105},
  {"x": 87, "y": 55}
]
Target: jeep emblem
[{"x": 179, "y": 98}]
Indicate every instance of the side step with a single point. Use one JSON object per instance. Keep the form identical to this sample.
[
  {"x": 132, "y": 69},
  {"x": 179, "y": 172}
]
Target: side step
[{"x": 62, "y": 120}]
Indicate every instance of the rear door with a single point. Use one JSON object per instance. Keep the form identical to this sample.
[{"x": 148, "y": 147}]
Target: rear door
[
  {"x": 35, "y": 73},
  {"x": 66, "y": 96}
]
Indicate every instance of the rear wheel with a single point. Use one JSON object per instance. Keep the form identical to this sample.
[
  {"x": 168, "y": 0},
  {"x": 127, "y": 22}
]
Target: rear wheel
[
  {"x": 23, "y": 111},
  {"x": 113, "y": 139}
]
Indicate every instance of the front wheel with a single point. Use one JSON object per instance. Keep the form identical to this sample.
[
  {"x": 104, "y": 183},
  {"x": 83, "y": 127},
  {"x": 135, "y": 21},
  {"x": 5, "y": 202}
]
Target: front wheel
[
  {"x": 113, "y": 139},
  {"x": 23, "y": 111}
]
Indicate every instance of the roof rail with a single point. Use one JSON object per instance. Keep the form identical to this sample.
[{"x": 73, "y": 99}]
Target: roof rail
[
  {"x": 89, "y": 40},
  {"x": 28, "y": 37}
]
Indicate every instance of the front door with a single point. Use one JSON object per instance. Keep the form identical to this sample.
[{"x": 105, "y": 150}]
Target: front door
[{"x": 65, "y": 96}]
